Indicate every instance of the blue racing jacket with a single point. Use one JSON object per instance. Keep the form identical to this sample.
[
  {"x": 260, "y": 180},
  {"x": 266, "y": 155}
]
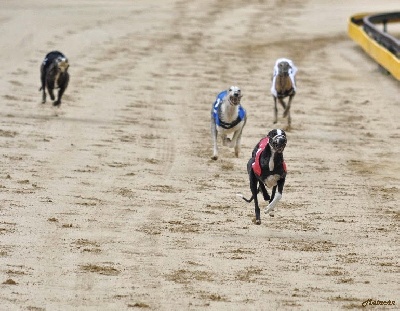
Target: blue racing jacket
[{"x": 217, "y": 108}]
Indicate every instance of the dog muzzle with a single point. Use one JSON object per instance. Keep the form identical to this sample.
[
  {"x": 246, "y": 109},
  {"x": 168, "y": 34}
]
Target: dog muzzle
[
  {"x": 62, "y": 64},
  {"x": 278, "y": 143},
  {"x": 235, "y": 99}
]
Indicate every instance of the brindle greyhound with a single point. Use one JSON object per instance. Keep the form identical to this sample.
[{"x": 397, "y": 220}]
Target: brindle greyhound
[
  {"x": 267, "y": 168},
  {"x": 283, "y": 85},
  {"x": 227, "y": 116},
  {"x": 54, "y": 75}
]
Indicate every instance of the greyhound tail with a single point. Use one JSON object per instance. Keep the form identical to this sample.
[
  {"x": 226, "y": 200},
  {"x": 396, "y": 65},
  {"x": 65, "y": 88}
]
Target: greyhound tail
[
  {"x": 41, "y": 88},
  {"x": 247, "y": 200}
]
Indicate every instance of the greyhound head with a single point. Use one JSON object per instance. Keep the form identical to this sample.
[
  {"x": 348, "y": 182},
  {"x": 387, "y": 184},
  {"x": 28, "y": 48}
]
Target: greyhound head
[
  {"x": 234, "y": 95},
  {"x": 277, "y": 140},
  {"x": 283, "y": 68},
  {"x": 62, "y": 64}
]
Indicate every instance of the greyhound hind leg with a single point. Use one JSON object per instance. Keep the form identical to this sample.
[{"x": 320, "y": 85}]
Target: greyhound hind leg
[{"x": 254, "y": 191}]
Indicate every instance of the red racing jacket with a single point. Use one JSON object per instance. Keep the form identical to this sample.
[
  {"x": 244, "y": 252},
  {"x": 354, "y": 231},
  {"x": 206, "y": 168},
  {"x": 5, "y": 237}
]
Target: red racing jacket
[{"x": 256, "y": 164}]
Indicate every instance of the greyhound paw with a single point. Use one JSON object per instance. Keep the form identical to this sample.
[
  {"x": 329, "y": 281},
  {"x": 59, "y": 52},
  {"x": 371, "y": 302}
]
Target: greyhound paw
[
  {"x": 257, "y": 221},
  {"x": 57, "y": 103},
  {"x": 270, "y": 211},
  {"x": 214, "y": 157}
]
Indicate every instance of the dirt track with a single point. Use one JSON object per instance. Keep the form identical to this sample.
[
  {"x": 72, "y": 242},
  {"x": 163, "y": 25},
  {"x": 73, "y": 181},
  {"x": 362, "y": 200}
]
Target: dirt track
[{"x": 111, "y": 202}]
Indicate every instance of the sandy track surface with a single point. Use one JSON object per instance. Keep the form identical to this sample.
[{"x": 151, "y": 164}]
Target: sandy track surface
[{"x": 111, "y": 202}]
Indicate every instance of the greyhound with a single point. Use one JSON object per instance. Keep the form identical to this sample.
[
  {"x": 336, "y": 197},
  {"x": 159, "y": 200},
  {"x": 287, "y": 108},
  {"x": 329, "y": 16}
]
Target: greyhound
[
  {"x": 54, "y": 75},
  {"x": 228, "y": 116},
  {"x": 283, "y": 85},
  {"x": 267, "y": 168}
]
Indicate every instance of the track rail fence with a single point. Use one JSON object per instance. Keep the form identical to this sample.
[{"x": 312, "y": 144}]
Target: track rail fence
[{"x": 378, "y": 43}]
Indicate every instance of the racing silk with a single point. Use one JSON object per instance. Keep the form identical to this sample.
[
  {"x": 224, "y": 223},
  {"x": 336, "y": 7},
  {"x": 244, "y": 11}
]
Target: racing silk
[
  {"x": 216, "y": 111},
  {"x": 256, "y": 164}
]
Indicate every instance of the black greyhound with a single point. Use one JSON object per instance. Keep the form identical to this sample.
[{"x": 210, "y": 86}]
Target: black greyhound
[
  {"x": 267, "y": 168},
  {"x": 54, "y": 75}
]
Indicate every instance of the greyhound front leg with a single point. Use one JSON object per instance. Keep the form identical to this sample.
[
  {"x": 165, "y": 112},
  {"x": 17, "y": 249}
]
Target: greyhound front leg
[
  {"x": 265, "y": 192},
  {"x": 282, "y": 102},
  {"x": 214, "y": 139},
  {"x": 43, "y": 88},
  {"x": 60, "y": 94},
  {"x": 226, "y": 141},
  {"x": 287, "y": 109},
  {"x": 236, "y": 142},
  {"x": 271, "y": 206},
  {"x": 275, "y": 197},
  {"x": 44, "y": 96},
  {"x": 51, "y": 93}
]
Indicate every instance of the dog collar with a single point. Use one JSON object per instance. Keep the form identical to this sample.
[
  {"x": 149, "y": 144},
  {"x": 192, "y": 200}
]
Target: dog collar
[{"x": 226, "y": 125}]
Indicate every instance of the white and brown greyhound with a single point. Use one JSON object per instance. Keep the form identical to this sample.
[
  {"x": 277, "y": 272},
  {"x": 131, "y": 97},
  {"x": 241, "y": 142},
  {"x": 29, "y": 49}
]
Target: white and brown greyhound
[
  {"x": 267, "y": 168},
  {"x": 227, "y": 117},
  {"x": 283, "y": 85}
]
